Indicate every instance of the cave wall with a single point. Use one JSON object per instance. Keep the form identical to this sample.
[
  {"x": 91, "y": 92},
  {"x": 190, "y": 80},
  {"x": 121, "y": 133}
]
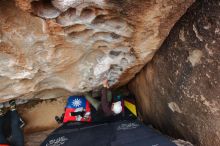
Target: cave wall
[
  {"x": 179, "y": 90},
  {"x": 53, "y": 48}
]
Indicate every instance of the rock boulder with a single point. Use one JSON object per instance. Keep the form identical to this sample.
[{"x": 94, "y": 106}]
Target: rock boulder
[{"x": 179, "y": 90}]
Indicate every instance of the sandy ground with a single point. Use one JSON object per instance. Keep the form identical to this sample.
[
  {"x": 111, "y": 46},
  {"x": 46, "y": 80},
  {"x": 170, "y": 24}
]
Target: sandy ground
[
  {"x": 40, "y": 115},
  {"x": 39, "y": 119}
]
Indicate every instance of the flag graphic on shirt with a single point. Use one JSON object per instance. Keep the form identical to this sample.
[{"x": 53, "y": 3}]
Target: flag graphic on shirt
[{"x": 76, "y": 102}]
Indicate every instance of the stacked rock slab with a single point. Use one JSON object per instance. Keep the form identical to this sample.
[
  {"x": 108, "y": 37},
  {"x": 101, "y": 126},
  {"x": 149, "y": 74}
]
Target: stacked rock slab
[
  {"x": 52, "y": 48},
  {"x": 179, "y": 90}
]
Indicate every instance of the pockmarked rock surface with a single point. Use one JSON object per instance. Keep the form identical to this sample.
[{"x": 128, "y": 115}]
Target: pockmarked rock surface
[
  {"x": 179, "y": 90},
  {"x": 54, "y": 48}
]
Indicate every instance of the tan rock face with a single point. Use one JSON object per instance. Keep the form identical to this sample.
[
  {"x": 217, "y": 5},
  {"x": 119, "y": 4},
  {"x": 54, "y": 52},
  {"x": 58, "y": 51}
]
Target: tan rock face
[
  {"x": 54, "y": 48},
  {"x": 179, "y": 90}
]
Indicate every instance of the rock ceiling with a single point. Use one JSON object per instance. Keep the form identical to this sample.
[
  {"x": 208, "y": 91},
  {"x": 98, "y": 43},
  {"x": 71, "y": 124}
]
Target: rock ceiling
[{"x": 53, "y": 48}]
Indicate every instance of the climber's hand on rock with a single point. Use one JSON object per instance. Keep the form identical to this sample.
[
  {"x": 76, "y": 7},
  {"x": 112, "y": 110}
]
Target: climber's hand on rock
[{"x": 105, "y": 83}]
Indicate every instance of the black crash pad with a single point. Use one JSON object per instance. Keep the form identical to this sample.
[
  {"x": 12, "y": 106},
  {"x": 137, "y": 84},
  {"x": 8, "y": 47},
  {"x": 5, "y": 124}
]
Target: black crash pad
[{"x": 121, "y": 133}]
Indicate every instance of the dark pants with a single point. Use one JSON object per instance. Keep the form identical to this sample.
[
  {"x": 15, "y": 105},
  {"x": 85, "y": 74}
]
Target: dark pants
[{"x": 11, "y": 122}]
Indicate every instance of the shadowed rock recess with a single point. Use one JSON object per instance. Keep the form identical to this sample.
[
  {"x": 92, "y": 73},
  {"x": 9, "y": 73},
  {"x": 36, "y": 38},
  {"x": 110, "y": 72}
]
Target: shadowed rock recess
[
  {"x": 179, "y": 90},
  {"x": 54, "y": 48}
]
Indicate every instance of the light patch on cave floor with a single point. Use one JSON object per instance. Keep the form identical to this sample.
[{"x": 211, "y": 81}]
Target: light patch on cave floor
[
  {"x": 182, "y": 35},
  {"x": 197, "y": 33},
  {"x": 210, "y": 105},
  {"x": 195, "y": 57},
  {"x": 174, "y": 107}
]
